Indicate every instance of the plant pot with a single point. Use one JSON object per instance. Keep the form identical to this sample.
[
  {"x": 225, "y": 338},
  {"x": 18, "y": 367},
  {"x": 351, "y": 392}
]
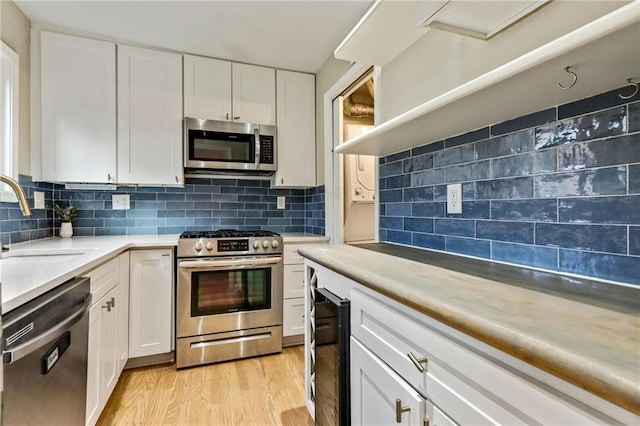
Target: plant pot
[{"x": 66, "y": 230}]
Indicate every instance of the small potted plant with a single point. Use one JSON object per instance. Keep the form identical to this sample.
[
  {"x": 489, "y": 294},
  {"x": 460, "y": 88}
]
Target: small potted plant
[{"x": 66, "y": 216}]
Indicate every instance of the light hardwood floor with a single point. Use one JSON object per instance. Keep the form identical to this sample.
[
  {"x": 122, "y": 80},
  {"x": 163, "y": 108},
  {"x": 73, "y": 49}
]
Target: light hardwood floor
[{"x": 267, "y": 390}]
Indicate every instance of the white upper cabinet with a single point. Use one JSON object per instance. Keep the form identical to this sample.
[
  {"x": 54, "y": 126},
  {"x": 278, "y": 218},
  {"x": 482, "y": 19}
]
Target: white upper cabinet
[
  {"x": 221, "y": 90},
  {"x": 207, "y": 88},
  {"x": 78, "y": 109},
  {"x": 254, "y": 94},
  {"x": 296, "y": 130},
  {"x": 149, "y": 116}
]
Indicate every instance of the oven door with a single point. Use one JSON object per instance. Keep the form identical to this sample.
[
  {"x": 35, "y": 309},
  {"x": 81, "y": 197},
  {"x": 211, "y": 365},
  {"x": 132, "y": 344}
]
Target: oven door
[{"x": 228, "y": 294}]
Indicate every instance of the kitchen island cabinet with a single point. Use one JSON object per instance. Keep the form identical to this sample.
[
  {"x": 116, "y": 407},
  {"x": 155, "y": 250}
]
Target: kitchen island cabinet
[{"x": 495, "y": 345}]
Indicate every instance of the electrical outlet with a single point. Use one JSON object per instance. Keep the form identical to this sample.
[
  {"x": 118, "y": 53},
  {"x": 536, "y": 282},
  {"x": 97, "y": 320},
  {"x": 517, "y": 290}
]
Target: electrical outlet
[
  {"x": 38, "y": 200},
  {"x": 281, "y": 201},
  {"x": 120, "y": 201},
  {"x": 454, "y": 198}
]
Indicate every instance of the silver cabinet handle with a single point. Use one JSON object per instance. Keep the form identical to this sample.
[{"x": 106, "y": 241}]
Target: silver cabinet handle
[
  {"x": 418, "y": 362},
  {"x": 113, "y": 302},
  {"x": 109, "y": 177},
  {"x": 226, "y": 116},
  {"x": 399, "y": 410},
  {"x": 177, "y": 180},
  {"x": 107, "y": 306},
  {"x": 426, "y": 422},
  {"x": 236, "y": 118}
]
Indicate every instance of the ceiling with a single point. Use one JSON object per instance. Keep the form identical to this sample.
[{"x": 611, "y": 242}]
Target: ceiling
[{"x": 296, "y": 35}]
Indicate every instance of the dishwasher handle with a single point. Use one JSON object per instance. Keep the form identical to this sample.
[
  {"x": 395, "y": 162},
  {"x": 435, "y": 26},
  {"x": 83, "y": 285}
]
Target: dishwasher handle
[{"x": 19, "y": 352}]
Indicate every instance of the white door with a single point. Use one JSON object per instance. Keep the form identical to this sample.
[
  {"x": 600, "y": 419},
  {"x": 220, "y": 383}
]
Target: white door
[
  {"x": 376, "y": 389},
  {"x": 109, "y": 371},
  {"x": 254, "y": 94},
  {"x": 207, "y": 88},
  {"x": 149, "y": 117},
  {"x": 151, "y": 287},
  {"x": 78, "y": 101}
]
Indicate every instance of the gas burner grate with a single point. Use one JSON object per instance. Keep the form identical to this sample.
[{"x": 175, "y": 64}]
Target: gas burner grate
[{"x": 227, "y": 233}]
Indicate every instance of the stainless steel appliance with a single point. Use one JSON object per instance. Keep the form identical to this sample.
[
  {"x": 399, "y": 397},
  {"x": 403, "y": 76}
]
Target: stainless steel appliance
[
  {"x": 229, "y": 296},
  {"x": 45, "y": 343},
  {"x": 332, "y": 325},
  {"x": 227, "y": 147}
]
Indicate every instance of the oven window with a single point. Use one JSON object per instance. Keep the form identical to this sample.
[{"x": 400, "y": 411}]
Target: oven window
[
  {"x": 221, "y": 292},
  {"x": 214, "y": 146}
]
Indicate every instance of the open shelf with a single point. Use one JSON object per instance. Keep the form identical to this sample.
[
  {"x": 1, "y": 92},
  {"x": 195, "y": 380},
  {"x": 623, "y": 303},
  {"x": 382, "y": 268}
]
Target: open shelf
[{"x": 604, "y": 53}]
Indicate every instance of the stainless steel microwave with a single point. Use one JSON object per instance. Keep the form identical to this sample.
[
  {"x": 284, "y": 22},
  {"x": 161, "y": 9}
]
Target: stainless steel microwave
[{"x": 226, "y": 147}]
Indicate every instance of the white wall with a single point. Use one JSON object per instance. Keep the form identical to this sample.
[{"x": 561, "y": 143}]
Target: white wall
[
  {"x": 14, "y": 31},
  {"x": 326, "y": 76},
  {"x": 440, "y": 61}
]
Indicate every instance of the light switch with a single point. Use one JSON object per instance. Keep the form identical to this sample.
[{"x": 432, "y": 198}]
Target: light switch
[
  {"x": 120, "y": 201},
  {"x": 281, "y": 202}
]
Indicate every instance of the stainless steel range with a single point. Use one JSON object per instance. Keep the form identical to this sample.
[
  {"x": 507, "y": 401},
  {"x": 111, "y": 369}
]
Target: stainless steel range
[{"x": 229, "y": 296}]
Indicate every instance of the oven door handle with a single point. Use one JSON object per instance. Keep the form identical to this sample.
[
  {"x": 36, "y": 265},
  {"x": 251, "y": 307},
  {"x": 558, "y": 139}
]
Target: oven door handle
[{"x": 225, "y": 264}]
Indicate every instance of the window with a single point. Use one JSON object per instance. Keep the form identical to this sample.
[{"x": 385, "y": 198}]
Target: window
[{"x": 9, "y": 72}]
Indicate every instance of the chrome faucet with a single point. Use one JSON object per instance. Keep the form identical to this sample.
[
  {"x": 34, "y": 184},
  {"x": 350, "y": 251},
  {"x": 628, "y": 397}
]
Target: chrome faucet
[{"x": 22, "y": 198}]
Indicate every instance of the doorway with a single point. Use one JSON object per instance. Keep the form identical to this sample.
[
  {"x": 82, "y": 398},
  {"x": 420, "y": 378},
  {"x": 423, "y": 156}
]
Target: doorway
[
  {"x": 356, "y": 106},
  {"x": 351, "y": 180}
]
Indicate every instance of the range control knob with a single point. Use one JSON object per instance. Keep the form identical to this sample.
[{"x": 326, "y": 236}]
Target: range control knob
[
  {"x": 256, "y": 244},
  {"x": 274, "y": 244},
  {"x": 198, "y": 246},
  {"x": 265, "y": 244},
  {"x": 209, "y": 245}
]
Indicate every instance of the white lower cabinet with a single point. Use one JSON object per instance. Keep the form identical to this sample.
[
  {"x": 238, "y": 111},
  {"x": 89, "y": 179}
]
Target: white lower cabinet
[
  {"x": 108, "y": 336},
  {"x": 443, "y": 376},
  {"x": 293, "y": 310},
  {"x": 150, "y": 320},
  {"x": 379, "y": 395}
]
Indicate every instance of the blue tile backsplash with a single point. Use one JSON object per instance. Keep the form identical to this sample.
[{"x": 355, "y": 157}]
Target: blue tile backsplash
[
  {"x": 203, "y": 204},
  {"x": 558, "y": 189}
]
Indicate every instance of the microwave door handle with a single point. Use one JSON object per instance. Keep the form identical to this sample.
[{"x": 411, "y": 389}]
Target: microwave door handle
[{"x": 256, "y": 132}]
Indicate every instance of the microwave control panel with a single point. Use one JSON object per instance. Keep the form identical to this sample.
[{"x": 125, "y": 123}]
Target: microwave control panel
[{"x": 266, "y": 149}]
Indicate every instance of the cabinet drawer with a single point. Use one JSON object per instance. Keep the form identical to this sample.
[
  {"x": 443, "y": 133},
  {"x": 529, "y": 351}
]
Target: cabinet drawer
[
  {"x": 462, "y": 382},
  {"x": 104, "y": 278},
  {"x": 293, "y": 317},
  {"x": 293, "y": 281},
  {"x": 290, "y": 255}
]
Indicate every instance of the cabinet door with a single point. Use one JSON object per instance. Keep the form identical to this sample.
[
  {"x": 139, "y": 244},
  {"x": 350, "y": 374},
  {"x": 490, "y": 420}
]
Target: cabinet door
[
  {"x": 207, "y": 88},
  {"x": 254, "y": 94},
  {"x": 78, "y": 101},
  {"x": 375, "y": 389},
  {"x": 93, "y": 366},
  {"x": 109, "y": 371},
  {"x": 293, "y": 281},
  {"x": 149, "y": 117},
  {"x": 296, "y": 130},
  {"x": 293, "y": 317},
  {"x": 150, "y": 303},
  {"x": 122, "y": 313}
]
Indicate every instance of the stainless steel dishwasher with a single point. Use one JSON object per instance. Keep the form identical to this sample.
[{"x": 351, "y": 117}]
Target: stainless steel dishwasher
[{"x": 44, "y": 349}]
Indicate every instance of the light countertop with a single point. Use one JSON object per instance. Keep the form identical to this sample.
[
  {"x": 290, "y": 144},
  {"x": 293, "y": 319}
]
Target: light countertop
[
  {"x": 26, "y": 277},
  {"x": 584, "y": 331}
]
